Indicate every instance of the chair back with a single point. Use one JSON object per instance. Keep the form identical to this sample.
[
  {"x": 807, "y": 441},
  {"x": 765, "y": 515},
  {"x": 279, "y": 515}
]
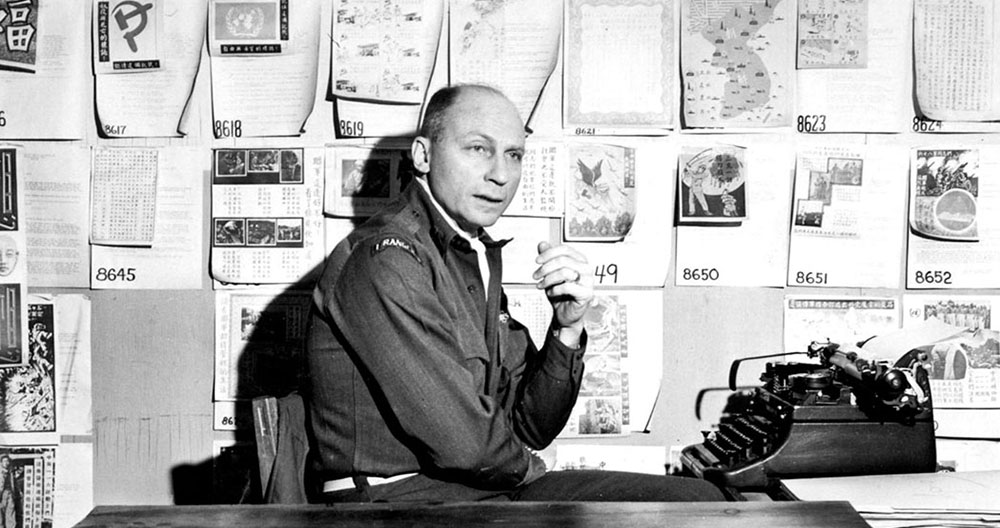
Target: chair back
[{"x": 282, "y": 447}]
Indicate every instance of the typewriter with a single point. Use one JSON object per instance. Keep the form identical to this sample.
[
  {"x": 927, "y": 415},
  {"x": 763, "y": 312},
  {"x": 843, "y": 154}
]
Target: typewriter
[{"x": 841, "y": 416}]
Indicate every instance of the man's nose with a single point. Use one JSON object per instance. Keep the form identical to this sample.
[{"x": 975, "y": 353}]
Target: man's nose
[{"x": 501, "y": 172}]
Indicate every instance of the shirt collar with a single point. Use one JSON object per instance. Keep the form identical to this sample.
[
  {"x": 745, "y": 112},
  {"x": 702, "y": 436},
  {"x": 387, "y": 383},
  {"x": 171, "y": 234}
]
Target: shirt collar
[
  {"x": 422, "y": 180},
  {"x": 445, "y": 229}
]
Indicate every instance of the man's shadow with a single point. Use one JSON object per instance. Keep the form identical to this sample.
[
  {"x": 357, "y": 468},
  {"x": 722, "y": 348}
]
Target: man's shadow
[{"x": 272, "y": 361}]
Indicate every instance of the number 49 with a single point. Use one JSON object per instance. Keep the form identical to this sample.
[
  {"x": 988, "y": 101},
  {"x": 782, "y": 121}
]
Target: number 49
[{"x": 606, "y": 270}]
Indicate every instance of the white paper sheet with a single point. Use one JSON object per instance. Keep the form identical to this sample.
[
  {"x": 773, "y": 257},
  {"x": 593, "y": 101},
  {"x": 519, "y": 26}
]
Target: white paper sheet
[
  {"x": 519, "y": 254},
  {"x": 36, "y": 104},
  {"x": 943, "y": 491},
  {"x": 891, "y": 345},
  {"x": 623, "y": 364},
  {"x": 56, "y": 198},
  {"x": 74, "y": 393},
  {"x": 74, "y": 492},
  {"x": 175, "y": 258},
  {"x": 602, "y": 67},
  {"x": 874, "y": 98},
  {"x": 144, "y": 91},
  {"x": 858, "y": 241},
  {"x": 967, "y": 455},
  {"x": 384, "y": 51},
  {"x": 267, "y": 214},
  {"x": 651, "y": 460},
  {"x": 358, "y": 115},
  {"x": 335, "y": 230},
  {"x": 358, "y": 181},
  {"x": 532, "y": 309},
  {"x": 963, "y": 372},
  {"x": 123, "y": 196},
  {"x": 933, "y": 263},
  {"x": 364, "y": 119},
  {"x": 541, "y": 191},
  {"x": 839, "y": 319},
  {"x": 643, "y": 257},
  {"x": 513, "y": 45},
  {"x": 737, "y": 63},
  {"x": 600, "y": 192},
  {"x": 232, "y": 416},
  {"x": 55, "y": 399},
  {"x": 753, "y": 253},
  {"x": 259, "y": 341},
  {"x": 265, "y": 61},
  {"x": 956, "y": 59}
]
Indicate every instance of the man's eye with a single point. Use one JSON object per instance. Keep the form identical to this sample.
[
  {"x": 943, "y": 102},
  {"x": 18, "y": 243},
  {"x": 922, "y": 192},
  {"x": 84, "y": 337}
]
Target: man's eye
[{"x": 518, "y": 156}]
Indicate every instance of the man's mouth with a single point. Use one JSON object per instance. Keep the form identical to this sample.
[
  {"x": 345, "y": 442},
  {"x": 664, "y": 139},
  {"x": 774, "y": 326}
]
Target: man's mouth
[{"x": 490, "y": 199}]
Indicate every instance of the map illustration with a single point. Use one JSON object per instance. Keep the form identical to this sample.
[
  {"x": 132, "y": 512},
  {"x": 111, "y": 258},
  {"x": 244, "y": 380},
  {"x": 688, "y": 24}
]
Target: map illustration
[{"x": 736, "y": 64}]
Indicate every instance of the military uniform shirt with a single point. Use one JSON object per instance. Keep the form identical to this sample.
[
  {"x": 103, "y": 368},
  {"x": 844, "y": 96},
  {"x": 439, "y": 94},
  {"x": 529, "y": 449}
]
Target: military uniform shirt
[{"x": 413, "y": 369}]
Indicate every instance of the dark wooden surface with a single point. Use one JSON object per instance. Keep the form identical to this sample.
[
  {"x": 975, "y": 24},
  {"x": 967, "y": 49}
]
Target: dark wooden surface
[{"x": 579, "y": 514}]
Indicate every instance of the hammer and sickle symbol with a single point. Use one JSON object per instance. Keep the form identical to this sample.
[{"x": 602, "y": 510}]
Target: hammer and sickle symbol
[{"x": 122, "y": 18}]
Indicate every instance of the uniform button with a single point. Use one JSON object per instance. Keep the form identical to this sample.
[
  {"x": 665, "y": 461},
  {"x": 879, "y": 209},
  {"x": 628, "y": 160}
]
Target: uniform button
[{"x": 472, "y": 289}]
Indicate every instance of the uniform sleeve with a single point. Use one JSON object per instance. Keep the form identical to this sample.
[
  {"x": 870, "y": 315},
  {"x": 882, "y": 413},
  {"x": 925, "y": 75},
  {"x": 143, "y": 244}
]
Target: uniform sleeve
[
  {"x": 547, "y": 390},
  {"x": 398, "y": 329}
]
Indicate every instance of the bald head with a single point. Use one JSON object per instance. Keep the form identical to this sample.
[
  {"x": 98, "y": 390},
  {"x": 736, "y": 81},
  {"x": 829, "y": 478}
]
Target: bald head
[{"x": 436, "y": 114}]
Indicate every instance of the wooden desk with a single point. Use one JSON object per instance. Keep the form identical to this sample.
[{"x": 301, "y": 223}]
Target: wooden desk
[{"x": 540, "y": 514}]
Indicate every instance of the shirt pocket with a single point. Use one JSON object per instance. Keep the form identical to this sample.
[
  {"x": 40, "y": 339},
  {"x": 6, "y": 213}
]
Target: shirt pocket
[
  {"x": 514, "y": 344},
  {"x": 472, "y": 352}
]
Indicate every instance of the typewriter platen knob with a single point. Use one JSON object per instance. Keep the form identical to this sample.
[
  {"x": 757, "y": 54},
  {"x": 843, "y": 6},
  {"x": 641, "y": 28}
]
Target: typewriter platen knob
[{"x": 892, "y": 383}]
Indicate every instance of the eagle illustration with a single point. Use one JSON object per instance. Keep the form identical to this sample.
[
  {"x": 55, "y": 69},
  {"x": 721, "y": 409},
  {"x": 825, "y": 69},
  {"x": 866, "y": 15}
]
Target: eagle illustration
[{"x": 590, "y": 177}]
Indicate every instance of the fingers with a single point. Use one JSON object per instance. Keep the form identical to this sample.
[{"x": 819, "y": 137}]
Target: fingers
[
  {"x": 569, "y": 291},
  {"x": 565, "y": 275},
  {"x": 562, "y": 275},
  {"x": 560, "y": 265}
]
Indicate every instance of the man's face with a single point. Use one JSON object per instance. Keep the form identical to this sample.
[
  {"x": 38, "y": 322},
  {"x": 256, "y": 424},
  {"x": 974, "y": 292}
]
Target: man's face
[
  {"x": 475, "y": 165},
  {"x": 8, "y": 255}
]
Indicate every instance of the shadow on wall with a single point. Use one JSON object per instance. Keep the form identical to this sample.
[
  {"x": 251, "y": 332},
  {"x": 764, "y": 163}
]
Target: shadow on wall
[{"x": 272, "y": 363}]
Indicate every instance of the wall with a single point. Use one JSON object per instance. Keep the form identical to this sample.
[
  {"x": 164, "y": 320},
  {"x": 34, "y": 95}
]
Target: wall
[
  {"x": 153, "y": 363},
  {"x": 153, "y": 349}
]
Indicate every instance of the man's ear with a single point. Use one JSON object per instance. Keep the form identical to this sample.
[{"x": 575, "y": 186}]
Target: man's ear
[{"x": 420, "y": 151}]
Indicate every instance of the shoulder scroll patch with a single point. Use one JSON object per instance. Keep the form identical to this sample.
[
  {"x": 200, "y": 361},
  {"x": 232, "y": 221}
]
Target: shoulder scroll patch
[{"x": 392, "y": 241}]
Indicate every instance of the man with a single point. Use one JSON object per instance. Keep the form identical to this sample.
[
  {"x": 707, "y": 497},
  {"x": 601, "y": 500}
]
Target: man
[
  {"x": 422, "y": 386},
  {"x": 8, "y": 504}
]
